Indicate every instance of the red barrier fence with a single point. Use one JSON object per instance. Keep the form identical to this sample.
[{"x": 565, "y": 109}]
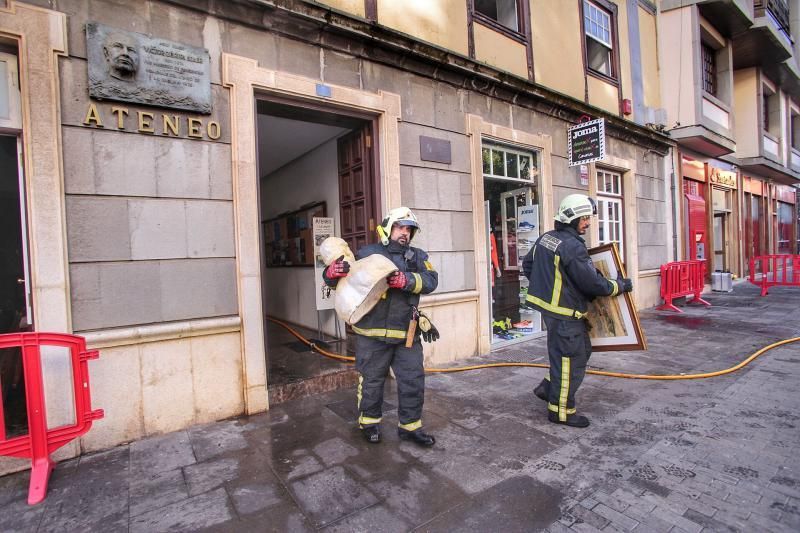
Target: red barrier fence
[
  {"x": 682, "y": 278},
  {"x": 41, "y": 441},
  {"x": 772, "y": 270}
]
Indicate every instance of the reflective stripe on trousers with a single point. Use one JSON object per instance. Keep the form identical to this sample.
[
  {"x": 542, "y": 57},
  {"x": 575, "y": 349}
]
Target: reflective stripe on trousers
[{"x": 568, "y": 348}]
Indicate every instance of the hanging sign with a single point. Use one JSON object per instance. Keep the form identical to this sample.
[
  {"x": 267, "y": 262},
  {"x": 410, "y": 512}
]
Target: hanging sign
[
  {"x": 321, "y": 230},
  {"x": 587, "y": 142}
]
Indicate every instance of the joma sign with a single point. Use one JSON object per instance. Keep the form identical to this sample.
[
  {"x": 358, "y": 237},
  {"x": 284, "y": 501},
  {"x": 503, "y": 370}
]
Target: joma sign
[{"x": 587, "y": 142}]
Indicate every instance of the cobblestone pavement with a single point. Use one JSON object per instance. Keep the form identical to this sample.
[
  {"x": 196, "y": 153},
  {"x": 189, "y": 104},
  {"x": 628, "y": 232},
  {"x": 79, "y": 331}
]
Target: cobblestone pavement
[{"x": 701, "y": 455}]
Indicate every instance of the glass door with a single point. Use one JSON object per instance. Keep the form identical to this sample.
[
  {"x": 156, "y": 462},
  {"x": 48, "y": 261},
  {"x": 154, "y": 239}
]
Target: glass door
[
  {"x": 14, "y": 293},
  {"x": 15, "y": 310},
  {"x": 512, "y": 215},
  {"x": 721, "y": 202}
]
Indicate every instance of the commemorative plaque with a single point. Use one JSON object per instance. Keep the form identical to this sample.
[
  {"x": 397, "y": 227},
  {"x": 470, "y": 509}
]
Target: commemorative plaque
[{"x": 134, "y": 67}]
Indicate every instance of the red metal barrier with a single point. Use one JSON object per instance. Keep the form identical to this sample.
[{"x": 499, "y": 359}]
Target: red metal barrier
[
  {"x": 40, "y": 441},
  {"x": 772, "y": 270},
  {"x": 682, "y": 278}
]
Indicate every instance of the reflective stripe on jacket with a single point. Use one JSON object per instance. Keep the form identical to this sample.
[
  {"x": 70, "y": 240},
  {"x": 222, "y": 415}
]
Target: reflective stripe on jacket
[{"x": 561, "y": 277}]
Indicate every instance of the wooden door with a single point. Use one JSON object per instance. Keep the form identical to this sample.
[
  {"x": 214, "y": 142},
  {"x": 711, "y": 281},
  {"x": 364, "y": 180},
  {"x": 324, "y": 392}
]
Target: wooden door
[{"x": 357, "y": 194}]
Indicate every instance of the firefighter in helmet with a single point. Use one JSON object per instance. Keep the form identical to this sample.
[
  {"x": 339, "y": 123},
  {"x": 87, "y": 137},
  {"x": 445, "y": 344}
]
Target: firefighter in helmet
[
  {"x": 562, "y": 282},
  {"x": 381, "y": 333}
]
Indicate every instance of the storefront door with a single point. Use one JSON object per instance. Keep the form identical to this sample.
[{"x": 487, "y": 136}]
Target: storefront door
[
  {"x": 14, "y": 308},
  {"x": 512, "y": 214},
  {"x": 14, "y": 295},
  {"x": 721, "y": 202}
]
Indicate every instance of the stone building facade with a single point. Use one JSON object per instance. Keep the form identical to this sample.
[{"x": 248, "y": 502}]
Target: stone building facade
[{"x": 147, "y": 225}]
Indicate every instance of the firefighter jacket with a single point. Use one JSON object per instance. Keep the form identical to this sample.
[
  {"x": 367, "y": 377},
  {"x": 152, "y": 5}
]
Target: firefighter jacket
[
  {"x": 561, "y": 277},
  {"x": 390, "y": 318}
]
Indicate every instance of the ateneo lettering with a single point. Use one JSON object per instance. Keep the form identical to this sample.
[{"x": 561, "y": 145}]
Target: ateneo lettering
[{"x": 168, "y": 125}]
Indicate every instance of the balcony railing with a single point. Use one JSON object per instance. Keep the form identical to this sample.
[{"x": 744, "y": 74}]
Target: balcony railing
[{"x": 778, "y": 10}]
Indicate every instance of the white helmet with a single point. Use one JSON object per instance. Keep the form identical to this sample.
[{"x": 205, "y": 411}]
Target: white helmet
[
  {"x": 575, "y": 206},
  {"x": 401, "y": 216}
]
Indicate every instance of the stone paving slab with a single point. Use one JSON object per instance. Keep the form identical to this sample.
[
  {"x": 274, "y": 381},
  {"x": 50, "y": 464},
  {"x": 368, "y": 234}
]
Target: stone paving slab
[{"x": 693, "y": 455}]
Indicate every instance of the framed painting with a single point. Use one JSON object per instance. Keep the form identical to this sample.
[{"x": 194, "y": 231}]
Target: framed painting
[{"x": 614, "y": 320}]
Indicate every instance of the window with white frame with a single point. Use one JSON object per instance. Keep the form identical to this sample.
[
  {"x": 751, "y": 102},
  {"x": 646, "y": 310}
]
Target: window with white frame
[
  {"x": 503, "y": 162},
  {"x": 597, "y": 24},
  {"x": 610, "y": 209}
]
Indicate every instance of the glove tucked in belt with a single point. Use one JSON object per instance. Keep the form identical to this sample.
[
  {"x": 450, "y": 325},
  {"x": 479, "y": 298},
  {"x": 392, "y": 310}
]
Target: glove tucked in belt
[{"x": 428, "y": 331}]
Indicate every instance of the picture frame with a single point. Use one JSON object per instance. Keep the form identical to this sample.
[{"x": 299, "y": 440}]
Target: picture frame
[{"x": 614, "y": 321}]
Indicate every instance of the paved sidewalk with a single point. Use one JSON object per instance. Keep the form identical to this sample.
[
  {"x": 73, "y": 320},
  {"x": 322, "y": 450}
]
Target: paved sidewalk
[{"x": 715, "y": 455}]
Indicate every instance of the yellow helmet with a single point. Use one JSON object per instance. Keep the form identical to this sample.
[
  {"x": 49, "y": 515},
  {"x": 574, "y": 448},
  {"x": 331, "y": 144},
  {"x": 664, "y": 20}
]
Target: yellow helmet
[{"x": 401, "y": 216}]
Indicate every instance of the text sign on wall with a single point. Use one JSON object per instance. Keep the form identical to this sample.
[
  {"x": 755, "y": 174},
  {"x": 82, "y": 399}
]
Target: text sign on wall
[
  {"x": 587, "y": 142},
  {"x": 134, "y": 67},
  {"x": 722, "y": 177},
  {"x": 322, "y": 229}
]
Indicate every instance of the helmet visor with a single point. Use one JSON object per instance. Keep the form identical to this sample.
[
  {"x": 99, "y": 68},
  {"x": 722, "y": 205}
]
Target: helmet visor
[{"x": 406, "y": 222}]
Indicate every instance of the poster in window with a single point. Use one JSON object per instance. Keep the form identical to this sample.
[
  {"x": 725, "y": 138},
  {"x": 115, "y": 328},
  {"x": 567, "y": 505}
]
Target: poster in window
[
  {"x": 527, "y": 230},
  {"x": 614, "y": 320}
]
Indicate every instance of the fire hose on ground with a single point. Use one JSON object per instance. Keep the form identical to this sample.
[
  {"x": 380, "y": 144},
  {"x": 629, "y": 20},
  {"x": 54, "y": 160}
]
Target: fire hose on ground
[{"x": 665, "y": 377}]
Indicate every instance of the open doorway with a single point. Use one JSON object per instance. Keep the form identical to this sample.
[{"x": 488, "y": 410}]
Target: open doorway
[
  {"x": 14, "y": 308},
  {"x": 512, "y": 214},
  {"x": 314, "y": 165}
]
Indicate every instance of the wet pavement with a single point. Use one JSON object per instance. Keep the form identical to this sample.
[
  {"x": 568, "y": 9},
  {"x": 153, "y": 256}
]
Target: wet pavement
[{"x": 716, "y": 454}]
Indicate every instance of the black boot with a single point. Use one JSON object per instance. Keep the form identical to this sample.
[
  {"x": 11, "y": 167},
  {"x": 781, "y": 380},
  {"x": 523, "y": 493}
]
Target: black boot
[
  {"x": 542, "y": 390},
  {"x": 576, "y": 421},
  {"x": 372, "y": 434},
  {"x": 417, "y": 437}
]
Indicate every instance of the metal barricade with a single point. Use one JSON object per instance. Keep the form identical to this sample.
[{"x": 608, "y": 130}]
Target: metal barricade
[
  {"x": 775, "y": 270},
  {"x": 40, "y": 440},
  {"x": 682, "y": 278}
]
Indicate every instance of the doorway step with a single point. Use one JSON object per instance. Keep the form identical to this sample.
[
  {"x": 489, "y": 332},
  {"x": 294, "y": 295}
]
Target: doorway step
[{"x": 295, "y": 371}]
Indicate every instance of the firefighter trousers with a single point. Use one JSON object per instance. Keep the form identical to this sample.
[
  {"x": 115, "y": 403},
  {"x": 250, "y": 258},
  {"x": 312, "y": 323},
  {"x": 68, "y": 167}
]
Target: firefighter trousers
[
  {"x": 373, "y": 360},
  {"x": 569, "y": 349}
]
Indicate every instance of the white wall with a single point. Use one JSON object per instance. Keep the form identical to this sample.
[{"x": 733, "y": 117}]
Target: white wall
[{"x": 290, "y": 291}]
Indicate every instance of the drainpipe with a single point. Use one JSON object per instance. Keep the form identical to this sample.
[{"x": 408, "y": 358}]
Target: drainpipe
[{"x": 675, "y": 205}]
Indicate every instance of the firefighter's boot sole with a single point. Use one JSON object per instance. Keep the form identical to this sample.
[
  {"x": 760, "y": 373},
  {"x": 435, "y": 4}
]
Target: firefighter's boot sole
[{"x": 372, "y": 434}]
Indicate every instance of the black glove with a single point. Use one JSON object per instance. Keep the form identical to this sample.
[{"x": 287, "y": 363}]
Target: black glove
[
  {"x": 428, "y": 331},
  {"x": 625, "y": 284}
]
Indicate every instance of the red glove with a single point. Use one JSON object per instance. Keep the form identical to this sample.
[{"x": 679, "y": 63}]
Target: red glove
[
  {"x": 337, "y": 269},
  {"x": 397, "y": 280}
]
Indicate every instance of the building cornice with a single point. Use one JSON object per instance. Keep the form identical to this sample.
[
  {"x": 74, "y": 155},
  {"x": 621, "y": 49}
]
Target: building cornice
[{"x": 327, "y": 27}]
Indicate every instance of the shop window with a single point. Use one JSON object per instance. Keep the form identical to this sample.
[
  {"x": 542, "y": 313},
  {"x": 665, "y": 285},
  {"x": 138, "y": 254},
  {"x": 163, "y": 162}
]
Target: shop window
[
  {"x": 512, "y": 223},
  {"x": 598, "y": 38},
  {"x": 709, "y": 69},
  {"x": 503, "y": 12},
  {"x": 610, "y": 209}
]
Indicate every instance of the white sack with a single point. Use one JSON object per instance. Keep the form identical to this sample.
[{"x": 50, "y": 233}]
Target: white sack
[
  {"x": 333, "y": 248},
  {"x": 360, "y": 290}
]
